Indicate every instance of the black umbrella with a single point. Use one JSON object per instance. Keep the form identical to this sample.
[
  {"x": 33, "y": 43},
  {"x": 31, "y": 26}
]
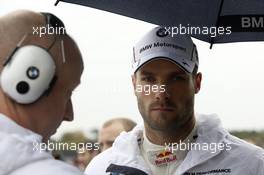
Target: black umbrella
[{"x": 213, "y": 21}]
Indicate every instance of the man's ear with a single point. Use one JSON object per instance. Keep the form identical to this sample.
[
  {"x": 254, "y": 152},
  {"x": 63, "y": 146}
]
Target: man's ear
[{"x": 198, "y": 80}]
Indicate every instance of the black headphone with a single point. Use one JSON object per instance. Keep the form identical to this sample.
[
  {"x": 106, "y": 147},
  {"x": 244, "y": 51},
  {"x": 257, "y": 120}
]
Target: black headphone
[{"x": 29, "y": 71}]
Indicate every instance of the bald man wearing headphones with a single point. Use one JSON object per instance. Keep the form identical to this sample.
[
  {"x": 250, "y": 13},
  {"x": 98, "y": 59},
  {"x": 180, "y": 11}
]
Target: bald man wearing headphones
[{"x": 38, "y": 75}]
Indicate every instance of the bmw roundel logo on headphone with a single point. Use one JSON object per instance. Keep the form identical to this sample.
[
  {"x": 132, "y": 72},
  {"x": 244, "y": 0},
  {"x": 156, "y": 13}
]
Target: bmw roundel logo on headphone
[{"x": 33, "y": 72}]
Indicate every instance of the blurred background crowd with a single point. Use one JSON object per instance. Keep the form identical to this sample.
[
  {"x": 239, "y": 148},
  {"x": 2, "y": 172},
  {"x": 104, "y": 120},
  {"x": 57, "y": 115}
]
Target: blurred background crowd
[{"x": 100, "y": 139}]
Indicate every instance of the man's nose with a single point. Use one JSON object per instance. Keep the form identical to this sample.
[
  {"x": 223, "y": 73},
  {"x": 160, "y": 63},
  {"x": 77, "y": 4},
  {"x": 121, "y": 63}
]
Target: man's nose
[
  {"x": 69, "y": 111},
  {"x": 162, "y": 93}
]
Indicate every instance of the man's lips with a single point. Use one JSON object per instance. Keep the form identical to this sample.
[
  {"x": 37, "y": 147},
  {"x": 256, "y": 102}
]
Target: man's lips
[{"x": 169, "y": 109}]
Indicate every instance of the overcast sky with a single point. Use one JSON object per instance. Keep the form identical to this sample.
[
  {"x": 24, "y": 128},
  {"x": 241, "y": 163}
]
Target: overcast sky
[{"x": 232, "y": 86}]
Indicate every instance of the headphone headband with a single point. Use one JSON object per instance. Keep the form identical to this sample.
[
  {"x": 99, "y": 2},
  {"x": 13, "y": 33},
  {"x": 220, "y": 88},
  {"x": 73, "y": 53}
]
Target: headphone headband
[{"x": 52, "y": 20}]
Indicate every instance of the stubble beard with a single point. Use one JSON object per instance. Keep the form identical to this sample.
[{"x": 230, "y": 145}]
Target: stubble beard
[{"x": 180, "y": 119}]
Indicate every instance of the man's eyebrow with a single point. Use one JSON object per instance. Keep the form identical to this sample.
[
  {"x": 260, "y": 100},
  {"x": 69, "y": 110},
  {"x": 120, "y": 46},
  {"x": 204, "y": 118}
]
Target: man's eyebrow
[
  {"x": 146, "y": 73},
  {"x": 178, "y": 73}
]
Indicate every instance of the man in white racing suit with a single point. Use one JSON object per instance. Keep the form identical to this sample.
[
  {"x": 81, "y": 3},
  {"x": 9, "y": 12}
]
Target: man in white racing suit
[{"x": 174, "y": 140}]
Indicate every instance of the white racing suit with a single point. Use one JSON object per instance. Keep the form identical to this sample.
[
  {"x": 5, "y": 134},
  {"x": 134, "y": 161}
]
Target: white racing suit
[
  {"x": 236, "y": 158},
  {"x": 19, "y": 157}
]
